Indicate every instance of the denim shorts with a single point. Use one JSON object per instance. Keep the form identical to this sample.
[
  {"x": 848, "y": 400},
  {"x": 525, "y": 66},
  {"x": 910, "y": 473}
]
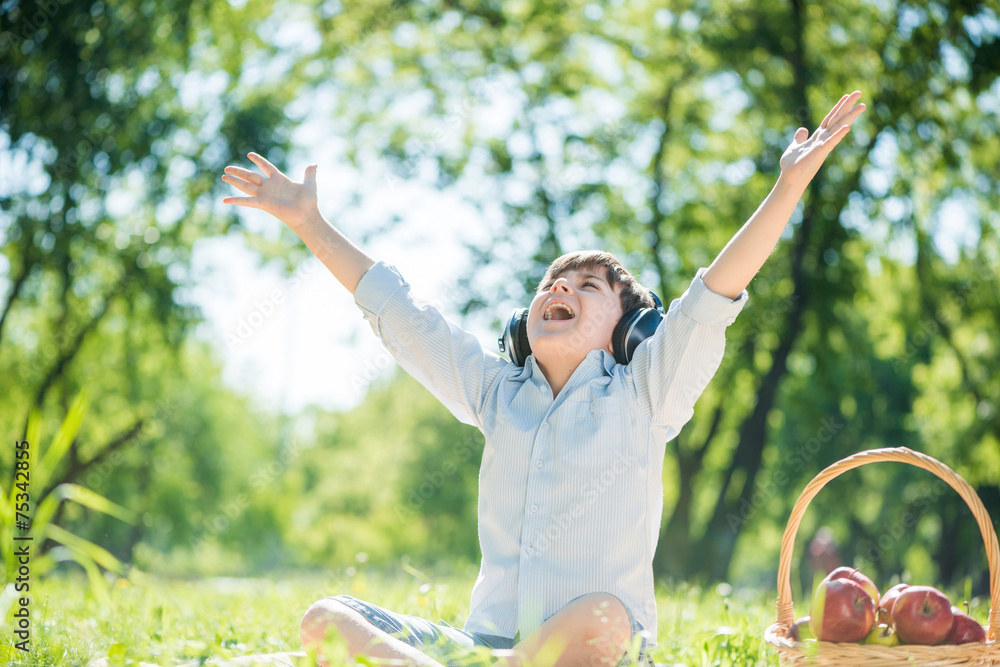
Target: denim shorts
[{"x": 432, "y": 638}]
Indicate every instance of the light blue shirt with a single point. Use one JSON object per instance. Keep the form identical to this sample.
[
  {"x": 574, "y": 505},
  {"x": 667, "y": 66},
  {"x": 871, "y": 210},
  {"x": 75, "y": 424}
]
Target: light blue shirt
[{"x": 570, "y": 489}]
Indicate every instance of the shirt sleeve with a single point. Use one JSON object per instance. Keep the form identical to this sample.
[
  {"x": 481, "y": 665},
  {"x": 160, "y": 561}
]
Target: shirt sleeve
[
  {"x": 670, "y": 369},
  {"x": 449, "y": 361}
]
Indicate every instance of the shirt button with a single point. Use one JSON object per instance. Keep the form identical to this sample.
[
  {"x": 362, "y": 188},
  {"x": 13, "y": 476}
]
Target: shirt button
[
  {"x": 531, "y": 551},
  {"x": 538, "y": 463},
  {"x": 545, "y": 424},
  {"x": 534, "y": 508}
]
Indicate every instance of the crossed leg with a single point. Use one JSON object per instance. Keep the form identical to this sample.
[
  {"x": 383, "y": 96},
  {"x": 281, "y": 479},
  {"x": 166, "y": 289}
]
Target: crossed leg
[
  {"x": 591, "y": 630},
  {"x": 329, "y": 615}
]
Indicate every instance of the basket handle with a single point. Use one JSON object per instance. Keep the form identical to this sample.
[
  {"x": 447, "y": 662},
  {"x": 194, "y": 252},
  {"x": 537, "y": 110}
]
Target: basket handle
[{"x": 786, "y": 615}]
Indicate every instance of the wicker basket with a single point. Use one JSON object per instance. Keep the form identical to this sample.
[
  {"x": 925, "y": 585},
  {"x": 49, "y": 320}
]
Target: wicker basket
[{"x": 830, "y": 653}]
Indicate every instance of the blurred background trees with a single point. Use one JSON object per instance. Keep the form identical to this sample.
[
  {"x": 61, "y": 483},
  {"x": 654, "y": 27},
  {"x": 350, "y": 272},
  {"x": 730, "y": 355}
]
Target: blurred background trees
[{"x": 651, "y": 130}]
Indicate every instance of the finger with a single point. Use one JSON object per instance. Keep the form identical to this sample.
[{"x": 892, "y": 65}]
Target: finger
[
  {"x": 801, "y": 135},
  {"x": 829, "y": 116},
  {"x": 251, "y": 202},
  {"x": 248, "y": 188},
  {"x": 850, "y": 117},
  {"x": 310, "y": 177},
  {"x": 245, "y": 174},
  {"x": 265, "y": 166},
  {"x": 831, "y": 142},
  {"x": 846, "y": 104}
]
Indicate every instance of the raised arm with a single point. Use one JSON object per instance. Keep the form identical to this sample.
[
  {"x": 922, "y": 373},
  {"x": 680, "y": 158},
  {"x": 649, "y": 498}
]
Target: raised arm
[
  {"x": 295, "y": 205},
  {"x": 447, "y": 360},
  {"x": 743, "y": 256}
]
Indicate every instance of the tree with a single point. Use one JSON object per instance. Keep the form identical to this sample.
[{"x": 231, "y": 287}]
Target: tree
[
  {"x": 114, "y": 155},
  {"x": 706, "y": 98}
]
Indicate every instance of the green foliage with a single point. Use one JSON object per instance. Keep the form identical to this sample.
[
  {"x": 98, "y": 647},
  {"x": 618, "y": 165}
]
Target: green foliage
[
  {"x": 28, "y": 506},
  {"x": 651, "y": 131},
  {"x": 164, "y": 621},
  {"x": 167, "y": 621},
  {"x": 395, "y": 476}
]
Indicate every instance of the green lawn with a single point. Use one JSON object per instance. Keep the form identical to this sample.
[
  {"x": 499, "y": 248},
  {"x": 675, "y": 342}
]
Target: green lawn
[{"x": 170, "y": 622}]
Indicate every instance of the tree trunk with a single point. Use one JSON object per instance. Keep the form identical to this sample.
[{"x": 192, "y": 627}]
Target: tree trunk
[
  {"x": 673, "y": 550},
  {"x": 714, "y": 550},
  {"x": 67, "y": 355}
]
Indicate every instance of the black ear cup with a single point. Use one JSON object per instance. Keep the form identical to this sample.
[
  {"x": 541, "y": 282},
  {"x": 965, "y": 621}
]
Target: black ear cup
[
  {"x": 514, "y": 339},
  {"x": 634, "y": 327}
]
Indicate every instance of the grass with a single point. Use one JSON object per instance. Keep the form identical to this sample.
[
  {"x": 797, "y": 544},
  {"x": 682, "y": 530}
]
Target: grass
[{"x": 174, "y": 621}]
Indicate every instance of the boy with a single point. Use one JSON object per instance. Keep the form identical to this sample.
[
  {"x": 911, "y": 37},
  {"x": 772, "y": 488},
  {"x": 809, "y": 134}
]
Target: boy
[{"x": 570, "y": 491}]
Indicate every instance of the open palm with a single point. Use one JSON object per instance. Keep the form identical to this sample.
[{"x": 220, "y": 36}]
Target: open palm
[
  {"x": 802, "y": 159},
  {"x": 285, "y": 199}
]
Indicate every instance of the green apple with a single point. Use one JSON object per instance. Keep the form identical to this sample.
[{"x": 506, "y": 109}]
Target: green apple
[
  {"x": 882, "y": 635},
  {"x": 799, "y": 632}
]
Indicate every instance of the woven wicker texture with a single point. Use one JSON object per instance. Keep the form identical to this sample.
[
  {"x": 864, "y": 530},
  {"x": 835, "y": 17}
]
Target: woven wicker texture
[{"x": 829, "y": 653}]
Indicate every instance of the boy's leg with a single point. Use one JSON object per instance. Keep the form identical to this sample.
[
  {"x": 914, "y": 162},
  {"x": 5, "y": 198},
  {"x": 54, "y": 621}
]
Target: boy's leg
[
  {"x": 593, "y": 629},
  {"x": 329, "y": 615}
]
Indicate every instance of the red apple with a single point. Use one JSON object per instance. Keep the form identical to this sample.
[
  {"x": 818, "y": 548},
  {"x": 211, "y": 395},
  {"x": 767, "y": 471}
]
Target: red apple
[
  {"x": 888, "y": 600},
  {"x": 842, "y": 611},
  {"x": 857, "y": 577},
  {"x": 800, "y": 630},
  {"x": 922, "y": 615},
  {"x": 965, "y": 630}
]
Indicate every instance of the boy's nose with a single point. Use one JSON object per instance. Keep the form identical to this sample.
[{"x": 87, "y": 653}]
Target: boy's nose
[{"x": 561, "y": 283}]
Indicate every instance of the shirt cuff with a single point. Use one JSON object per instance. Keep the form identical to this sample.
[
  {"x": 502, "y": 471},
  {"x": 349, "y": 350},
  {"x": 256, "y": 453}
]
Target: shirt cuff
[
  {"x": 707, "y": 307},
  {"x": 377, "y": 286}
]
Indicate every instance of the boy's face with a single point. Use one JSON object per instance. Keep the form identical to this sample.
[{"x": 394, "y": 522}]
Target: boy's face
[{"x": 572, "y": 314}]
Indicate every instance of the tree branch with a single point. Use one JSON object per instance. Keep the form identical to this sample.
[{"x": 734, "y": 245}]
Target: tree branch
[
  {"x": 64, "y": 359},
  {"x": 77, "y": 468},
  {"x": 22, "y": 277}
]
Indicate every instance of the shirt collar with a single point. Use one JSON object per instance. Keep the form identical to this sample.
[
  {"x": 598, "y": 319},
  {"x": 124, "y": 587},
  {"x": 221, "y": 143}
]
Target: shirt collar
[{"x": 596, "y": 363}]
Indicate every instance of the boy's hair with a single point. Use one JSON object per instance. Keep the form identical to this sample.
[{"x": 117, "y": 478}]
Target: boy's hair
[{"x": 633, "y": 295}]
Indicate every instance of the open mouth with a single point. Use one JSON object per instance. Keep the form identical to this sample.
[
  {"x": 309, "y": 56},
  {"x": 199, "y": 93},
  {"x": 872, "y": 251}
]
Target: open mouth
[{"x": 558, "y": 311}]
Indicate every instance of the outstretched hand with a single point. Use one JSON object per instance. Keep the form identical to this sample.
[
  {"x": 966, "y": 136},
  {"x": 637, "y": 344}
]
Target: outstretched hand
[
  {"x": 291, "y": 202},
  {"x": 803, "y": 158}
]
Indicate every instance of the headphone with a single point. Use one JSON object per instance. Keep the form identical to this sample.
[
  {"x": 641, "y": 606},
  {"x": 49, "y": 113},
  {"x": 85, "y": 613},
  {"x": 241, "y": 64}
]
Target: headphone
[{"x": 634, "y": 327}]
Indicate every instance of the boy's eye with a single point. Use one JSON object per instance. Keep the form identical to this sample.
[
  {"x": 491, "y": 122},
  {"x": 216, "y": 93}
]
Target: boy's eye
[{"x": 547, "y": 286}]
